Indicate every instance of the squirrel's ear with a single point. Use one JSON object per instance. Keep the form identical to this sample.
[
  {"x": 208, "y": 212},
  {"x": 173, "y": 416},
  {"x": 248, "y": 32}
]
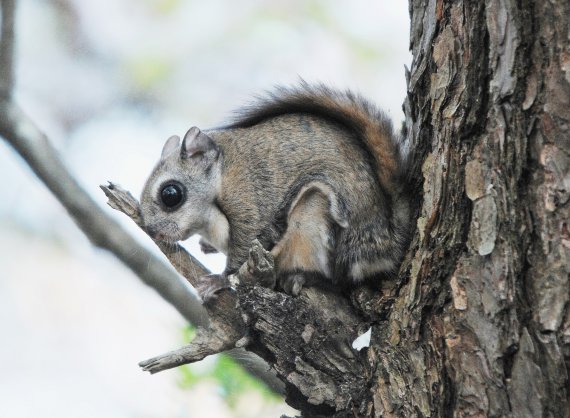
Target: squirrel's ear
[
  {"x": 170, "y": 146},
  {"x": 197, "y": 144}
]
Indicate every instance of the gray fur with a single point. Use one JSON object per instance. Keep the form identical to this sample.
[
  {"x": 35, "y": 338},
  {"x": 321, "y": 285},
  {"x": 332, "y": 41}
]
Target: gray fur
[{"x": 248, "y": 181}]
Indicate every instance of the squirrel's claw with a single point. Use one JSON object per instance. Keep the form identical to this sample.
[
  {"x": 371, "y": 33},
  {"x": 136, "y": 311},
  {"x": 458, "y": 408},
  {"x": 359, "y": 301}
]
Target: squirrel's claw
[
  {"x": 292, "y": 284},
  {"x": 209, "y": 286}
]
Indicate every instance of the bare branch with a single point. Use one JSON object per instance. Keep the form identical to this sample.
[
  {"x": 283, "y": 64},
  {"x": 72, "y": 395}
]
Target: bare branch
[
  {"x": 98, "y": 226},
  {"x": 183, "y": 262},
  {"x": 226, "y": 326},
  {"x": 7, "y": 48},
  {"x": 305, "y": 338}
]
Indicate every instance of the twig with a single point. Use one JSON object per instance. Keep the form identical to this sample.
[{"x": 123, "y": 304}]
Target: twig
[
  {"x": 181, "y": 260},
  {"x": 226, "y": 326},
  {"x": 7, "y": 48},
  {"x": 204, "y": 344}
]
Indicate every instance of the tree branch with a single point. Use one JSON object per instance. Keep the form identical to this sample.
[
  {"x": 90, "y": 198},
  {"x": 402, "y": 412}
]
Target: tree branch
[
  {"x": 98, "y": 226},
  {"x": 7, "y": 48},
  {"x": 183, "y": 261},
  {"x": 307, "y": 339},
  {"x": 225, "y": 327},
  {"x": 204, "y": 344}
]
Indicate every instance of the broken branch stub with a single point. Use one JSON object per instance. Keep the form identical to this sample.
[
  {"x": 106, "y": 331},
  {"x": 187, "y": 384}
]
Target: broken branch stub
[
  {"x": 204, "y": 344},
  {"x": 225, "y": 326}
]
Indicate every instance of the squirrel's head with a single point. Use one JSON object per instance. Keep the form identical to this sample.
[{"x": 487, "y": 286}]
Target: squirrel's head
[{"x": 180, "y": 193}]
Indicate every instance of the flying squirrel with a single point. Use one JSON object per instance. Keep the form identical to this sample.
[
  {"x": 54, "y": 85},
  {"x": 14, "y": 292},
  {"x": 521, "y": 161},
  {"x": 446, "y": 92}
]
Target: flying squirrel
[{"x": 316, "y": 175}]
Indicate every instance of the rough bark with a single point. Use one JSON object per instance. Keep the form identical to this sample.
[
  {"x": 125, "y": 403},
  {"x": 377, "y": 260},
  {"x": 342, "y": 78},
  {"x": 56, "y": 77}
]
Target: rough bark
[{"x": 489, "y": 107}]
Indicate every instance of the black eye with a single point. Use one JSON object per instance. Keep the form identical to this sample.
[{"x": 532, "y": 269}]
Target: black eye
[{"x": 171, "y": 195}]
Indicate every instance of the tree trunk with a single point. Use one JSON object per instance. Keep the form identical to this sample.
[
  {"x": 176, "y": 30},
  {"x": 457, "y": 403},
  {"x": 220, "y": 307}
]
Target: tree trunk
[{"x": 482, "y": 325}]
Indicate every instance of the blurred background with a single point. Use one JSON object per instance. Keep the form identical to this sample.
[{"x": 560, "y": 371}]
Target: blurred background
[{"x": 108, "y": 81}]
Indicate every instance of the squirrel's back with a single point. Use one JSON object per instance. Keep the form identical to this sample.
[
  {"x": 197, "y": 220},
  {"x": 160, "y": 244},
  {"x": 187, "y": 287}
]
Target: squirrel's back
[
  {"x": 370, "y": 125},
  {"x": 369, "y": 233}
]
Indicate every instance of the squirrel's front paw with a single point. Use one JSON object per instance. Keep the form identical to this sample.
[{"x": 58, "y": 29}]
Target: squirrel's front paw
[
  {"x": 206, "y": 248},
  {"x": 292, "y": 283},
  {"x": 209, "y": 286}
]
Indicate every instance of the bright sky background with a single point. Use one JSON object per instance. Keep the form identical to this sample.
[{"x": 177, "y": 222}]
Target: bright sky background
[{"x": 109, "y": 81}]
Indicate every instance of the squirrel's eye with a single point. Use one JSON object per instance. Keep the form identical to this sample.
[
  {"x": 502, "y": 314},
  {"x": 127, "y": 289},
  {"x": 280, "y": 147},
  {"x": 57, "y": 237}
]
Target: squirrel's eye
[{"x": 171, "y": 195}]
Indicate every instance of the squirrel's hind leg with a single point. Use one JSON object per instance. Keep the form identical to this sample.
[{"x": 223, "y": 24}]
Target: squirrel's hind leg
[{"x": 304, "y": 252}]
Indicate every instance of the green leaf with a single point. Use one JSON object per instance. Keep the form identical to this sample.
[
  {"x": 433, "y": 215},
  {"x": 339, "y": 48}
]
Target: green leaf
[
  {"x": 235, "y": 380},
  {"x": 230, "y": 376}
]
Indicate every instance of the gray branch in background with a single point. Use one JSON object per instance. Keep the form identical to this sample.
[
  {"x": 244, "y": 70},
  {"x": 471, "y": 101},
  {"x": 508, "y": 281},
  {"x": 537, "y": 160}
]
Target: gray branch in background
[
  {"x": 7, "y": 48},
  {"x": 100, "y": 228}
]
